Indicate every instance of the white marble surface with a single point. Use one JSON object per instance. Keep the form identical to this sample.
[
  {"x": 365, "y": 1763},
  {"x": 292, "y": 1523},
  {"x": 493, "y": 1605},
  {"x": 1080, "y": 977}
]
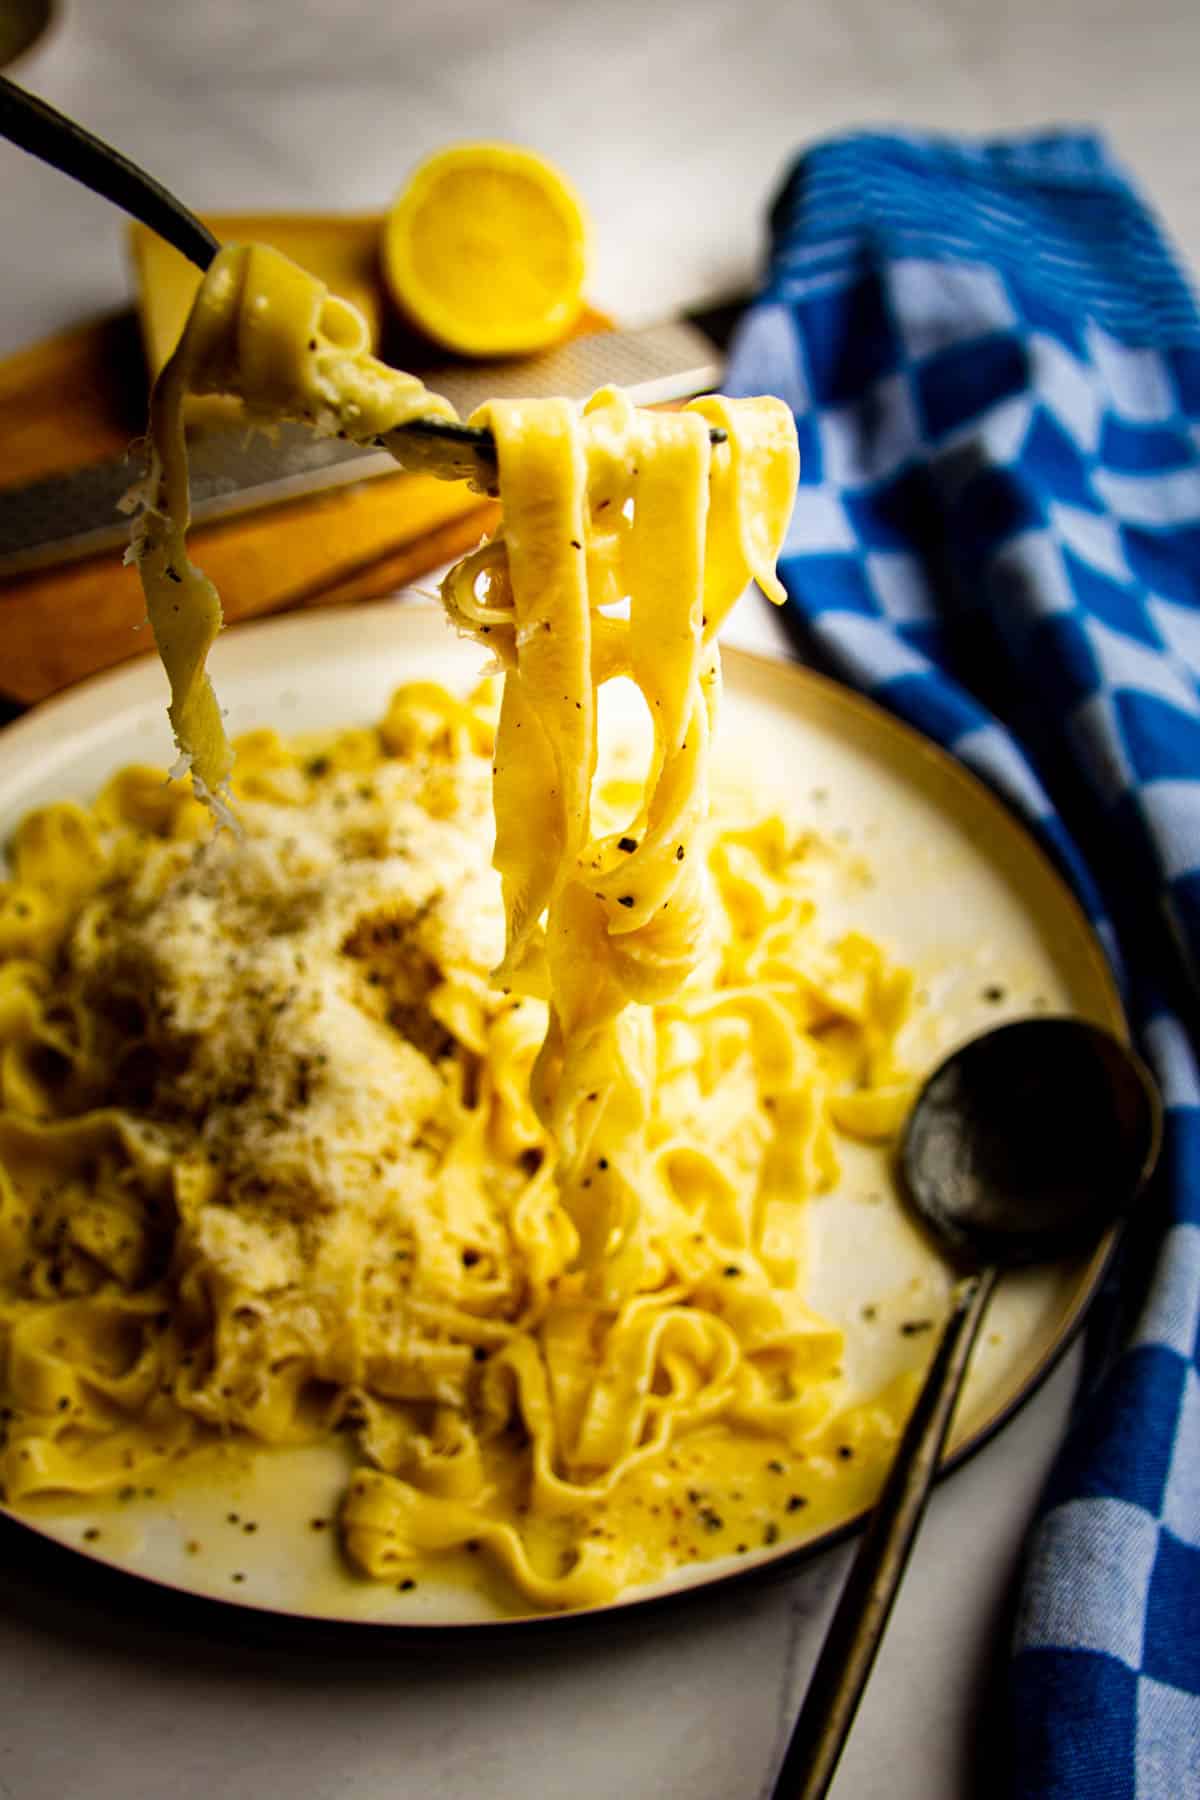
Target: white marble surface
[{"x": 676, "y": 121}]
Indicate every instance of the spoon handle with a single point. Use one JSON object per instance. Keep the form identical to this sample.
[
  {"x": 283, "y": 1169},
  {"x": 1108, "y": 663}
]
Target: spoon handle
[{"x": 857, "y": 1627}]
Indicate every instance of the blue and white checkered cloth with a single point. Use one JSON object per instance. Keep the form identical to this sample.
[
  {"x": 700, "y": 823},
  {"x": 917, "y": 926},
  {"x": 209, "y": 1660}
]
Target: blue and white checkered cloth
[{"x": 994, "y": 362}]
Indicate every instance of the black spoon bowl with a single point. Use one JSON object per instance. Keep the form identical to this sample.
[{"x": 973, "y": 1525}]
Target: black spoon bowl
[
  {"x": 1026, "y": 1142},
  {"x": 1021, "y": 1148}
]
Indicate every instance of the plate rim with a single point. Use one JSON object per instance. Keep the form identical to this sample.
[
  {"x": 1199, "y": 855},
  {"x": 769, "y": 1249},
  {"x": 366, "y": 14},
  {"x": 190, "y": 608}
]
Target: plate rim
[{"x": 211, "y": 1609}]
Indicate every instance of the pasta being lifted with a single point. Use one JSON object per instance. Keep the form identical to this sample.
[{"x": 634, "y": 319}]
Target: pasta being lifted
[{"x": 609, "y": 508}]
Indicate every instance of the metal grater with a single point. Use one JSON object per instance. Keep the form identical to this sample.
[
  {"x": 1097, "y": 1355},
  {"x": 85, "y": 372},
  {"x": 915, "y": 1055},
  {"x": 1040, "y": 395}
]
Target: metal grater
[{"x": 64, "y": 517}]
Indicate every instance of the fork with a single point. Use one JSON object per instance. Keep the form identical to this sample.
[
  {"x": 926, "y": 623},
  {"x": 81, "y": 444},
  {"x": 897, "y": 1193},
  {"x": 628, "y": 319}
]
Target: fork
[{"x": 442, "y": 447}]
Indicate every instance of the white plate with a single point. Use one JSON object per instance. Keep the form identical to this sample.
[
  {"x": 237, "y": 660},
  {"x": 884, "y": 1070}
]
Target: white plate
[{"x": 956, "y": 890}]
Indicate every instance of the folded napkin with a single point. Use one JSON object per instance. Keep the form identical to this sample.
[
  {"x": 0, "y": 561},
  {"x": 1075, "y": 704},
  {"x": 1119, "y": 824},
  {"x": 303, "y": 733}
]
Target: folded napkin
[{"x": 994, "y": 363}]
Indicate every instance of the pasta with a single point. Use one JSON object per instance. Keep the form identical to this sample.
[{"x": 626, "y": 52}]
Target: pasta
[
  {"x": 319, "y": 1126},
  {"x": 268, "y": 1167}
]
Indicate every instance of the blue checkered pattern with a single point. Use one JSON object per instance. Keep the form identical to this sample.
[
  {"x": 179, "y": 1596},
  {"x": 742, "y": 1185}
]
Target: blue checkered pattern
[{"x": 994, "y": 363}]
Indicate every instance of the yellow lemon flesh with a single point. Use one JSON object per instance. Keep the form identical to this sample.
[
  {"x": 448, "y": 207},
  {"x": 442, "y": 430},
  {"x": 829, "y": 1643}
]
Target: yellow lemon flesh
[{"x": 485, "y": 250}]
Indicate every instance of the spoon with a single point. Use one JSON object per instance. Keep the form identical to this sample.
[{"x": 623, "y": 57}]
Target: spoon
[{"x": 1021, "y": 1147}]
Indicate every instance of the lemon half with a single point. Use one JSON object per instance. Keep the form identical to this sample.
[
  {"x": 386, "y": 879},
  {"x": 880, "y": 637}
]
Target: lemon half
[{"x": 485, "y": 250}]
